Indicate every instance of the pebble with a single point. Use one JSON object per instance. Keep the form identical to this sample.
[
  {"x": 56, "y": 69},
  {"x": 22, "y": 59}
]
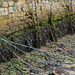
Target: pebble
[{"x": 31, "y": 73}]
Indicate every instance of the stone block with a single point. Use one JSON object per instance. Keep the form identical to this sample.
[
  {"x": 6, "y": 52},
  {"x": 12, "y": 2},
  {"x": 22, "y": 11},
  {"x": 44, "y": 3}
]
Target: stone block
[
  {"x": 11, "y": 9},
  {"x": 25, "y": 7},
  {"x": 23, "y": 18},
  {"x": 12, "y": 28},
  {"x": 2, "y": 32},
  {"x": 15, "y": 23},
  {"x": 21, "y": 27},
  {"x": 10, "y": 15},
  {"x": 1, "y": 9},
  {"x": 19, "y": 22},
  {"x": 18, "y": 14},
  {"x": 5, "y": 4},
  {"x": 4, "y": 13},
  {"x": 18, "y": 9},
  {"x": 2, "y": 28},
  {"x": 6, "y": 9},
  {"x": 10, "y": 3},
  {"x": 12, "y": 20},
  {"x": 10, "y": 24},
  {"x": 28, "y": 20},
  {"x": 7, "y": 28},
  {"x": 23, "y": 22}
]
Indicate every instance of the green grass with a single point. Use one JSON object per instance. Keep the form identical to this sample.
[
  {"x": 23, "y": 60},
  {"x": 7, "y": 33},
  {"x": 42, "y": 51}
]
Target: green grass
[{"x": 72, "y": 66}]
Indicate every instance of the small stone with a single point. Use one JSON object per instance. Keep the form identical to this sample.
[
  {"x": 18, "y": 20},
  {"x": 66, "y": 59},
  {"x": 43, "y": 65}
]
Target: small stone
[
  {"x": 24, "y": 68},
  {"x": 31, "y": 73}
]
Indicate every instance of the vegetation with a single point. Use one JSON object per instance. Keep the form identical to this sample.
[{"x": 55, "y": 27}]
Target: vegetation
[{"x": 15, "y": 0}]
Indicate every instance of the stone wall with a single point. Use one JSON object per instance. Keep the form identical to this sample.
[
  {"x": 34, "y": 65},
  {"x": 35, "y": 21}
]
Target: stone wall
[{"x": 16, "y": 16}]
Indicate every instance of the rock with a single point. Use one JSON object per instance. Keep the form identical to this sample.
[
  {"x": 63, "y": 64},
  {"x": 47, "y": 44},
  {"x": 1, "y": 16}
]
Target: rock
[
  {"x": 10, "y": 24},
  {"x": 24, "y": 69},
  {"x": 72, "y": 52},
  {"x": 5, "y": 4},
  {"x": 15, "y": 23},
  {"x": 6, "y": 9},
  {"x": 4, "y": 13},
  {"x": 28, "y": 20},
  {"x": 11, "y": 3},
  {"x": 21, "y": 27},
  {"x": 31, "y": 73},
  {"x": 11, "y": 9},
  {"x": 23, "y": 22},
  {"x": 1, "y": 9}
]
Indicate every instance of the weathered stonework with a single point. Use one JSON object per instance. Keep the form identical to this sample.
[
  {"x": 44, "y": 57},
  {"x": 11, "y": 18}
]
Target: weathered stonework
[{"x": 14, "y": 16}]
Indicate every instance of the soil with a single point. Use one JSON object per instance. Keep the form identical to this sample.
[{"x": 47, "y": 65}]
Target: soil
[
  {"x": 43, "y": 61},
  {"x": 68, "y": 41}
]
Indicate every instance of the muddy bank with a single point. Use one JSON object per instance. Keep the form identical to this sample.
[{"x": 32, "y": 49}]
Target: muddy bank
[{"x": 69, "y": 42}]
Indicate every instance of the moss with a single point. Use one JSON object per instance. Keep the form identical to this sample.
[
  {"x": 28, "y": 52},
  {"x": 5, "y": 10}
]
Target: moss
[
  {"x": 41, "y": 66},
  {"x": 67, "y": 18},
  {"x": 37, "y": 54},
  {"x": 42, "y": 24},
  {"x": 72, "y": 66},
  {"x": 18, "y": 32}
]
